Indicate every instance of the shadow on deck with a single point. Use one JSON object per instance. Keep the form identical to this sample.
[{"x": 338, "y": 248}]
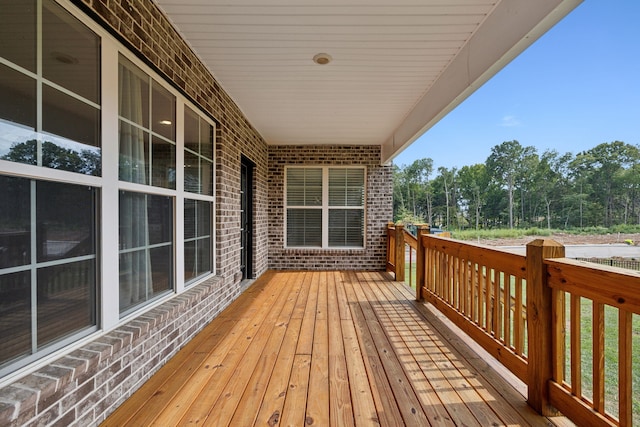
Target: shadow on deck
[{"x": 329, "y": 348}]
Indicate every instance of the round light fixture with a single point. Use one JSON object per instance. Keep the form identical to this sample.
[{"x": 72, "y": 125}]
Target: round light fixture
[{"x": 322, "y": 58}]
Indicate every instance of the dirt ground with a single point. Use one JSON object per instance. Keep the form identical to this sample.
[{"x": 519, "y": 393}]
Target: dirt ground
[{"x": 567, "y": 239}]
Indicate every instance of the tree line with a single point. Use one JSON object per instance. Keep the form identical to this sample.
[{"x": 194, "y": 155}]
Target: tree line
[{"x": 518, "y": 187}]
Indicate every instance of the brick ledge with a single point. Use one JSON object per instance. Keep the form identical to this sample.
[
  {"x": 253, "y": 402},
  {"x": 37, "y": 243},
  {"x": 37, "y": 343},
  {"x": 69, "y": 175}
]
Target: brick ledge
[{"x": 73, "y": 376}]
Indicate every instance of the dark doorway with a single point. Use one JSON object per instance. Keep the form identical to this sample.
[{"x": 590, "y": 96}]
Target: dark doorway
[{"x": 246, "y": 218}]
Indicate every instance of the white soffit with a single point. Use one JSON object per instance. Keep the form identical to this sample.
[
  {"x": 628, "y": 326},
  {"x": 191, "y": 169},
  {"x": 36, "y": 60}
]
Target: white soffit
[{"x": 395, "y": 69}]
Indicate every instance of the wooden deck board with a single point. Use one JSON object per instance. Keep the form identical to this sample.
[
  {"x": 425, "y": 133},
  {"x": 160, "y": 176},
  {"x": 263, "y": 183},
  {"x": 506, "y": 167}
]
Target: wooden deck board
[{"x": 327, "y": 348}]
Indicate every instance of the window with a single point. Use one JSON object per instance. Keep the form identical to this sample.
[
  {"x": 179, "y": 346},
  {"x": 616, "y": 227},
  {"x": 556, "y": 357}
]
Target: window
[
  {"x": 50, "y": 110},
  {"x": 146, "y": 248},
  {"x": 56, "y": 284},
  {"x": 53, "y": 119},
  {"x": 325, "y": 207},
  {"x": 47, "y": 267},
  {"x": 147, "y": 148},
  {"x": 147, "y": 129},
  {"x": 198, "y": 154},
  {"x": 197, "y": 238},
  {"x": 198, "y": 179}
]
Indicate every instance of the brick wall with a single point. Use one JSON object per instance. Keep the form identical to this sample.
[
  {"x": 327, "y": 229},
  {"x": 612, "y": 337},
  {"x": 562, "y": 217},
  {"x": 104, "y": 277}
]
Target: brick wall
[
  {"x": 84, "y": 386},
  {"x": 379, "y": 208},
  {"x": 145, "y": 30}
]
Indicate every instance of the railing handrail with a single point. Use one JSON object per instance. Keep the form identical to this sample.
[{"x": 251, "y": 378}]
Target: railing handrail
[
  {"x": 613, "y": 286},
  {"x": 410, "y": 239},
  {"x": 489, "y": 254},
  {"x": 482, "y": 289}
]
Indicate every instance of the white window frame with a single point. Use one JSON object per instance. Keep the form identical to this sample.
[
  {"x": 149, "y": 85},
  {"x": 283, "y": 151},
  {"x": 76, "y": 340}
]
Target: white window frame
[
  {"x": 179, "y": 194},
  {"x": 109, "y": 185},
  {"x": 325, "y": 207}
]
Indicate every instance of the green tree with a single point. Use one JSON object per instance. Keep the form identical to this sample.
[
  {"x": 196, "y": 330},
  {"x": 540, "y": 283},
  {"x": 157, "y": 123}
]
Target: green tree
[
  {"x": 601, "y": 168},
  {"x": 412, "y": 192},
  {"x": 449, "y": 190},
  {"x": 473, "y": 183},
  {"x": 550, "y": 180},
  {"x": 55, "y": 157},
  {"x": 504, "y": 165}
]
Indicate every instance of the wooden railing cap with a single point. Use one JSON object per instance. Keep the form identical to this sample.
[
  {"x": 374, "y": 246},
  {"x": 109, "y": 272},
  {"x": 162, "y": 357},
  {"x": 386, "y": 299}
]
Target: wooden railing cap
[{"x": 545, "y": 242}]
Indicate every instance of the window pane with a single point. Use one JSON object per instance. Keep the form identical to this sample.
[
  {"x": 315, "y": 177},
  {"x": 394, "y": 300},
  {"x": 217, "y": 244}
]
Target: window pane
[
  {"x": 206, "y": 139},
  {"x": 346, "y": 187},
  {"x": 133, "y": 93},
  {"x": 134, "y": 154},
  {"x": 204, "y": 256},
  {"x": 65, "y": 217},
  {"x": 346, "y": 227},
  {"x": 161, "y": 269},
  {"x": 190, "y": 267},
  {"x": 160, "y": 217},
  {"x": 144, "y": 275},
  {"x": 17, "y": 105},
  {"x": 198, "y": 158},
  {"x": 69, "y": 289},
  {"x": 15, "y": 235},
  {"x": 204, "y": 219},
  {"x": 304, "y": 227},
  {"x": 197, "y": 226},
  {"x": 191, "y": 130},
  {"x": 206, "y": 178},
  {"x": 133, "y": 279},
  {"x": 18, "y": 144},
  {"x": 79, "y": 126},
  {"x": 15, "y": 315},
  {"x": 18, "y": 33},
  {"x": 189, "y": 219},
  {"x": 191, "y": 172},
  {"x": 145, "y": 220},
  {"x": 163, "y": 163},
  {"x": 355, "y": 196},
  {"x": 304, "y": 187},
  {"x": 70, "y": 52},
  {"x": 66, "y": 116},
  {"x": 133, "y": 220},
  {"x": 163, "y": 112}
]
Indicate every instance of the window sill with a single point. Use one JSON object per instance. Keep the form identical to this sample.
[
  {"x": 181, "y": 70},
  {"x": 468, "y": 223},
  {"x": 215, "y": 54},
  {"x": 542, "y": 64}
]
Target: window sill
[{"x": 310, "y": 250}]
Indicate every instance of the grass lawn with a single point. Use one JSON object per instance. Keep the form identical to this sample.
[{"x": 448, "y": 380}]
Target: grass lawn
[{"x": 610, "y": 356}]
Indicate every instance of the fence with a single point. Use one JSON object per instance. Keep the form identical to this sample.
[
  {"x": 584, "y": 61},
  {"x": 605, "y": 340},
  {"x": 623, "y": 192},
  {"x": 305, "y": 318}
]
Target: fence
[{"x": 564, "y": 327}]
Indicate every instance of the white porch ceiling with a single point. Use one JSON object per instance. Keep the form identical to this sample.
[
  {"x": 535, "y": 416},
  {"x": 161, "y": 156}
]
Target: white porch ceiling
[{"x": 396, "y": 70}]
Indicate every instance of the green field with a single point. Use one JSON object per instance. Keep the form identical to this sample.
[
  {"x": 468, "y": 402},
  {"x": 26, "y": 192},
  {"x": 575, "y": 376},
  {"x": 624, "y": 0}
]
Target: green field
[
  {"x": 543, "y": 232},
  {"x": 610, "y": 356}
]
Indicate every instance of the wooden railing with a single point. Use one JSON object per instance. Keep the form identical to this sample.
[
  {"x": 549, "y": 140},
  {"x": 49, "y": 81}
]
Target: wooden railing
[
  {"x": 596, "y": 342},
  {"x": 403, "y": 245},
  {"x": 533, "y": 313},
  {"x": 482, "y": 291}
]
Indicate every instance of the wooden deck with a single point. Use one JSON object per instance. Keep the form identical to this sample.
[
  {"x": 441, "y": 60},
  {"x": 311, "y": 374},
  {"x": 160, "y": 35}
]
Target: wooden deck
[{"x": 326, "y": 349}]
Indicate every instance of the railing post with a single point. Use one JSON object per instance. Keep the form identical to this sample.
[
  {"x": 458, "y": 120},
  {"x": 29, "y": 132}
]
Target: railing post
[
  {"x": 423, "y": 230},
  {"x": 540, "y": 323},
  {"x": 391, "y": 256},
  {"x": 399, "y": 250}
]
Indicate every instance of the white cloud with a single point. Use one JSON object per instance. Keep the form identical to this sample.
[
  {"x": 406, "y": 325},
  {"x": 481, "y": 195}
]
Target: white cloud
[{"x": 510, "y": 121}]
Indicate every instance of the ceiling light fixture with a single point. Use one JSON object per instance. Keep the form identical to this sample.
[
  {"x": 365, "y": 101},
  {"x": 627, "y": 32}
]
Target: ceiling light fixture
[{"x": 322, "y": 58}]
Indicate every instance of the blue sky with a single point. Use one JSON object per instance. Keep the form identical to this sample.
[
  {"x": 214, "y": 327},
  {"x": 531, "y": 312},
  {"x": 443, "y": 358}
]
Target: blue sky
[{"x": 574, "y": 88}]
